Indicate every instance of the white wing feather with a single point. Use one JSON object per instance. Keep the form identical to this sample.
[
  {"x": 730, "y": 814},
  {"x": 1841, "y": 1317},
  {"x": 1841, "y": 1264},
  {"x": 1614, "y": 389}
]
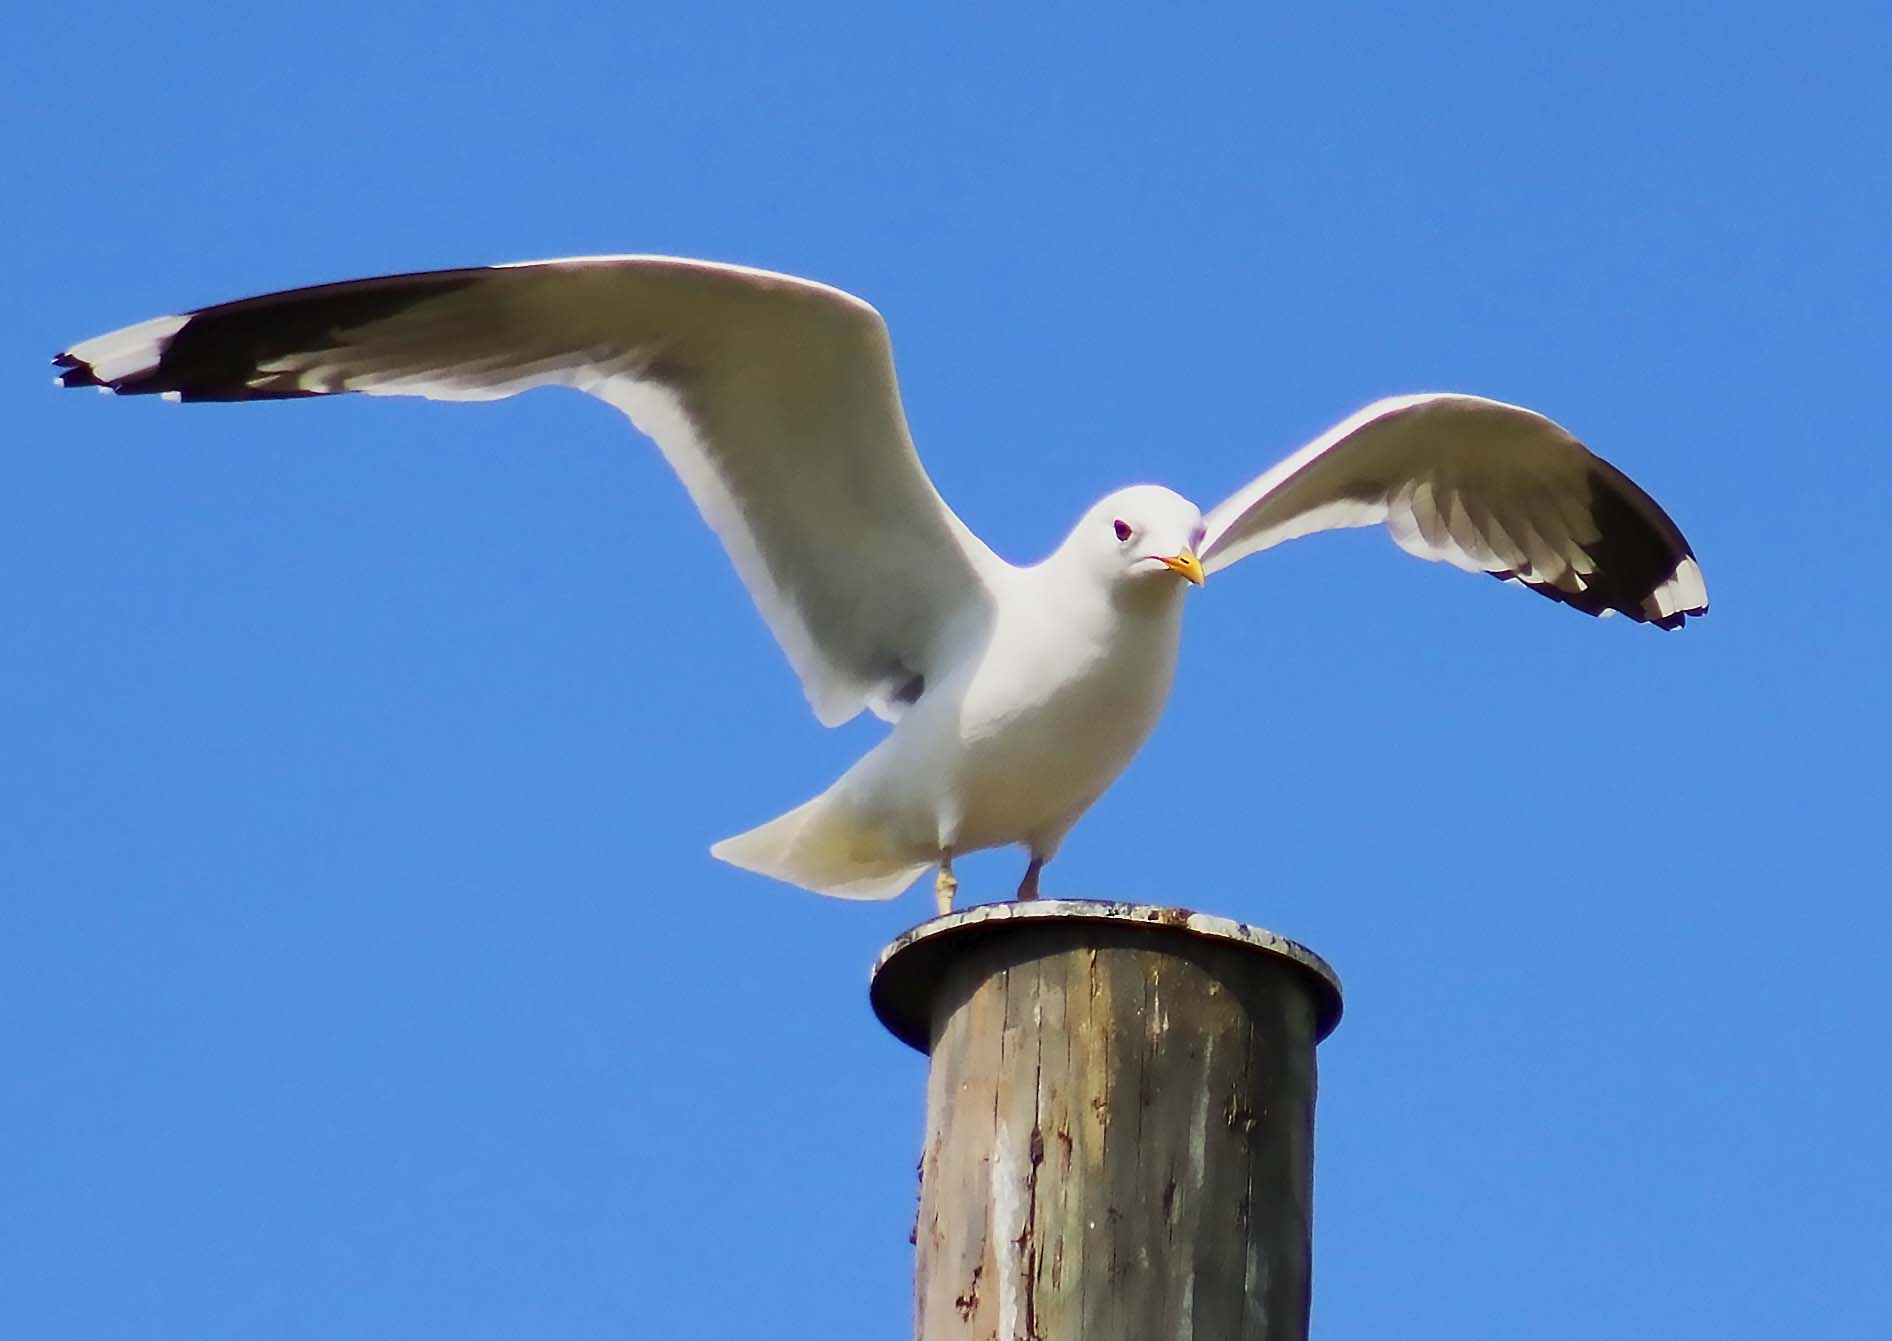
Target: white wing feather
[
  {"x": 773, "y": 398},
  {"x": 1483, "y": 486}
]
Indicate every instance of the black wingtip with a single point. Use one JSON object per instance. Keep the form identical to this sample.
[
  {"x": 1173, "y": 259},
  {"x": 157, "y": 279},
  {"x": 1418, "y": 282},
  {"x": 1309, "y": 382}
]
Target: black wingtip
[
  {"x": 1597, "y": 604},
  {"x": 75, "y": 371}
]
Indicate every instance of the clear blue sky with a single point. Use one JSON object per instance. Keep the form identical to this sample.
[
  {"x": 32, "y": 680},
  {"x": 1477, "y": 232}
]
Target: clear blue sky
[{"x": 363, "y": 968}]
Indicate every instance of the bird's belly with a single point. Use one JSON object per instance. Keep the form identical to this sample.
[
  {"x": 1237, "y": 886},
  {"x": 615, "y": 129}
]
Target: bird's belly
[
  {"x": 1026, "y": 774},
  {"x": 1023, "y": 738}
]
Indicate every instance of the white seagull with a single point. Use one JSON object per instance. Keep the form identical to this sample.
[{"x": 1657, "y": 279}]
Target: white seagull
[{"x": 1018, "y": 694}]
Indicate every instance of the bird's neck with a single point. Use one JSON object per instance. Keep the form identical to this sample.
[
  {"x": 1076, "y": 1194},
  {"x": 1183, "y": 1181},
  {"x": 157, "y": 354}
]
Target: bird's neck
[
  {"x": 1156, "y": 596},
  {"x": 1148, "y": 608}
]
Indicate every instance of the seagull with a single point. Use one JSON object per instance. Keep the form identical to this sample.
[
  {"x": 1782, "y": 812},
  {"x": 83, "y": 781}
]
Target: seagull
[{"x": 1016, "y": 694}]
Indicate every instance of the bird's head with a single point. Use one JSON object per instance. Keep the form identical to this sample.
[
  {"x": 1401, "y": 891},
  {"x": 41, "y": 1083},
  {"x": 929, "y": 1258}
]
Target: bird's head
[{"x": 1144, "y": 535}]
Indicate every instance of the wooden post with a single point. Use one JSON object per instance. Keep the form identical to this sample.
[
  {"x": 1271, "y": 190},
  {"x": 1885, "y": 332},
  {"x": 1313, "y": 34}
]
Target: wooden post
[{"x": 1119, "y": 1122}]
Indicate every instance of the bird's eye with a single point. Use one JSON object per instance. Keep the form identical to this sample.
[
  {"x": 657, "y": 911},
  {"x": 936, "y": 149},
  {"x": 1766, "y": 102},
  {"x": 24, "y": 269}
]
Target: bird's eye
[{"x": 1123, "y": 529}]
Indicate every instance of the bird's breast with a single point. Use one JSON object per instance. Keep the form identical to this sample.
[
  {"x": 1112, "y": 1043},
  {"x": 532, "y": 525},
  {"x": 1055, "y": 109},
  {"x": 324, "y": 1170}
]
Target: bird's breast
[{"x": 1051, "y": 713}]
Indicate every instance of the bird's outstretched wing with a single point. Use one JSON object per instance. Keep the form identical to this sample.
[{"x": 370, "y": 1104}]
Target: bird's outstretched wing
[
  {"x": 772, "y": 397},
  {"x": 1483, "y": 486}
]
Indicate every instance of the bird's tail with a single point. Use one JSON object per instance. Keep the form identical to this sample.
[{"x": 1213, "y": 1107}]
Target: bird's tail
[{"x": 823, "y": 845}]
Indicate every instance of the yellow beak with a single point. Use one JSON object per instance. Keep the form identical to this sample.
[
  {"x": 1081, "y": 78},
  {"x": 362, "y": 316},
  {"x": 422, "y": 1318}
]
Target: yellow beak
[{"x": 1188, "y": 565}]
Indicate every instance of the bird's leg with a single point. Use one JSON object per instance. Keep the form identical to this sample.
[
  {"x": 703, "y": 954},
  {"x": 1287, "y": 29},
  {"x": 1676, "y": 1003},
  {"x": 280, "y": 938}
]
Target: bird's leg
[
  {"x": 1028, "y": 887},
  {"x": 946, "y": 884}
]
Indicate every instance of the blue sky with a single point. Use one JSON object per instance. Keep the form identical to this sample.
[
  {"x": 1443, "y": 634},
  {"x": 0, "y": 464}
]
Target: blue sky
[{"x": 365, "y": 971}]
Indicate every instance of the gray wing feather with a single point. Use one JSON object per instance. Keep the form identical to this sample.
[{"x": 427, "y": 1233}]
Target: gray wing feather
[
  {"x": 1483, "y": 486},
  {"x": 773, "y": 398}
]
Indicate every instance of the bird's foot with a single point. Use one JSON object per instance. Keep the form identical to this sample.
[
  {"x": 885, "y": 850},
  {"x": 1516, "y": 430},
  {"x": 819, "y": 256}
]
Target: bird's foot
[
  {"x": 944, "y": 887},
  {"x": 1028, "y": 887}
]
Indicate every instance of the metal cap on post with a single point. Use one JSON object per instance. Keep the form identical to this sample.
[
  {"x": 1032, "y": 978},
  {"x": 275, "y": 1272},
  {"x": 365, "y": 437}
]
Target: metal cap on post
[{"x": 1119, "y": 1121}]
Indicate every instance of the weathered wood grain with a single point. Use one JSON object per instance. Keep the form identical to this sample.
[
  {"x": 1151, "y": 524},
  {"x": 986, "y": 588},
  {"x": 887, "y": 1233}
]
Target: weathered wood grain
[{"x": 1119, "y": 1124}]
